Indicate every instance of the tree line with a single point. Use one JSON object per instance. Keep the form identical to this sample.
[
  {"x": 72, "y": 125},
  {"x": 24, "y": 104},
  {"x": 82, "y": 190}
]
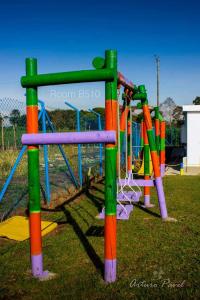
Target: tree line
[
  {"x": 66, "y": 119},
  {"x": 61, "y": 119}
]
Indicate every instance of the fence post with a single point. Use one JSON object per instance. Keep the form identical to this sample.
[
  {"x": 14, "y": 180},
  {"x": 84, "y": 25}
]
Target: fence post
[
  {"x": 100, "y": 145},
  {"x": 45, "y": 148},
  {"x": 78, "y": 128},
  {"x": 14, "y": 136},
  {"x": 2, "y": 134}
]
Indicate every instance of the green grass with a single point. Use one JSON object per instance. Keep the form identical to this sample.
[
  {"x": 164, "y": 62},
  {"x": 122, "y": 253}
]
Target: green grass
[
  {"x": 148, "y": 250},
  {"x": 8, "y": 158}
]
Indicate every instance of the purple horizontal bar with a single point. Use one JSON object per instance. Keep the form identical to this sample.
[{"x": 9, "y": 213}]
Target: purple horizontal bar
[
  {"x": 136, "y": 182},
  {"x": 85, "y": 137}
]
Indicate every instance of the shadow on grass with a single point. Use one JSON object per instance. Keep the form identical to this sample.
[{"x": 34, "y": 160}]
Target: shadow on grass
[
  {"x": 101, "y": 180},
  {"x": 59, "y": 207},
  {"x": 97, "y": 189},
  {"x": 80, "y": 215},
  {"x": 83, "y": 209},
  {"x": 97, "y": 201},
  {"x": 83, "y": 239},
  {"x": 43, "y": 193},
  {"x": 97, "y": 231},
  {"x": 13, "y": 206},
  {"x": 152, "y": 213}
]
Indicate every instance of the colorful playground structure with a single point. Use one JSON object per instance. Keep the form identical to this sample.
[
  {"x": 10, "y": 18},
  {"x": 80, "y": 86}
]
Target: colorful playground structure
[
  {"x": 134, "y": 151},
  {"x": 105, "y": 70}
]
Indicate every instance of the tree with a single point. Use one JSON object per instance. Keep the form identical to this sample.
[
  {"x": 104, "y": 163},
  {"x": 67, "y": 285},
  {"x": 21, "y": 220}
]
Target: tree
[
  {"x": 177, "y": 115},
  {"x": 67, "y": 119},
  {"x": 22, "y": 121},
  {"x": 63, "y": 119},
  {"x": 15, "y": 120},
  {"x": 196, "y": 101},
  {"x": 167, "y": 108},
  {"x": 15, "y": 117},
  {"x": 1, "y": 119}
]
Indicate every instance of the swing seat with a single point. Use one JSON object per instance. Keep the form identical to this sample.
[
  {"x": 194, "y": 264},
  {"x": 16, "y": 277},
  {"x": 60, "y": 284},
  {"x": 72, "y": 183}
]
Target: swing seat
[
  {"x": 132, "y": 196},
  {"x": 122, "y": 214}
]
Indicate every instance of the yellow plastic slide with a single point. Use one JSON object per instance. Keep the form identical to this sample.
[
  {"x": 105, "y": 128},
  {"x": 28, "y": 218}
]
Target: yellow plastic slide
[
  {"x": 141, "y": 170},
  {"x": 17, "y": 228}
]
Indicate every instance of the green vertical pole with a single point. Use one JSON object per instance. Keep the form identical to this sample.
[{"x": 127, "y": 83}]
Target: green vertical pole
[
  {"x": 141, "y": 135},
  {"x": 157, "y": 129},
  {"x": 122, "y": 125},
  {"x": 162, "y": 146},
  {"x": 129, "y": 136},
  {"x": 111, "y": 105},
  {"x": 147, "y": 174},
  {"x": 154, "y": 154},
  {"x": 33, "y": 175}
]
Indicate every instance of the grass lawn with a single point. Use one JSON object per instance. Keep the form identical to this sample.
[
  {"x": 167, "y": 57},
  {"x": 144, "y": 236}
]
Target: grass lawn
[{"x": 153, "y": 257}]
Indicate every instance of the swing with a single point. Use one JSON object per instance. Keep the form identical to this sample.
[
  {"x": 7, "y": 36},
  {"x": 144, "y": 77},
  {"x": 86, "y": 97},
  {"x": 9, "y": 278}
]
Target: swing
[
  {"x": 123, "y": 211},
  {"x": 130, "y": 196},
  {"x": 124, "y": 196}
]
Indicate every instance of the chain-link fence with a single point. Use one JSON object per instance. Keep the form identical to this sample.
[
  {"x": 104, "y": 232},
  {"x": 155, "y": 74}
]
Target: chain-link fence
[
  {"x": 12, "y": 123},
  {"x": 136, "y": 139},
  {"x": 62, "y": 168},
  {"x": 12, "y": 126},
  {"x": 173, "y": 136}
]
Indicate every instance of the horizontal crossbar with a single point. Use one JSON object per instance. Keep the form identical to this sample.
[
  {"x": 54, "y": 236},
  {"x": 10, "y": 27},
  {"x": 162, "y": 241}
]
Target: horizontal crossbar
[
  {"x": 125, "y": 82},
  {"x": 85, "y": 137},
  {"x": 68, "y": 77},
  {"x": 136, "y": 182}
]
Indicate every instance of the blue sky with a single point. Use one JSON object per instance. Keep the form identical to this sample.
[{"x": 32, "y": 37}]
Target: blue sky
[{"x": 67, "y": 35}]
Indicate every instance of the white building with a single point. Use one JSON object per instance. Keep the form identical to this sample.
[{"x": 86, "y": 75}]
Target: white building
[{"x": 190, "y": 135}]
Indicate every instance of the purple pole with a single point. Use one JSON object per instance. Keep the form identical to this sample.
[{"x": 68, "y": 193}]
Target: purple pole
[
  {"x": 161, "y": 197},
  {"x": 86, "y": 137}
]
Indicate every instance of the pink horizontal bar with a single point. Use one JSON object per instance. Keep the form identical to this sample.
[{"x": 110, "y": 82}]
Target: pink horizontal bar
[{"x": 124, "y": 81}]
